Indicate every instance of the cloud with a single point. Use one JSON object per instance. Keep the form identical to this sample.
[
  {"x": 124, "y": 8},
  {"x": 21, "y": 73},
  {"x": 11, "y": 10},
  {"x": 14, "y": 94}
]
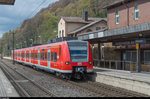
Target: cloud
[{"x": 11, "y": 17}]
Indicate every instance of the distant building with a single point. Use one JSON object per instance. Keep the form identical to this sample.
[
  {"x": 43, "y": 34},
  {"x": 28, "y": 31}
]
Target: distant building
[{"x": 73, "y": 26}]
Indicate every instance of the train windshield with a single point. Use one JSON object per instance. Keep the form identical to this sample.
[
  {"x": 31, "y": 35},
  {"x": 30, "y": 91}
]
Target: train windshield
[{"x": 78, "y": 51}]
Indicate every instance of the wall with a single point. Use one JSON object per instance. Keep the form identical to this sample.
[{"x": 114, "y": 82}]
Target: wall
[
  {"x": 73, "y": 26},
  {"x": 61, "y": 26}
]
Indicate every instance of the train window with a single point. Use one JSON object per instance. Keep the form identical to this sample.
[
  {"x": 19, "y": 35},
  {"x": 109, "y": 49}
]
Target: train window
[
  {"x": 60, "y": 51},
  {"x": 34, "y": 55},
  {"x": 52, "y": 56},
  {"x": 22, "y": 55},
  {"x": 55, "y": 57},
  {"x": 38, "y": 56},
  {"x": 31, "y": 55},
  {"x": 27, "y": 55},
  {"x": 46, "y": 56},
  {"x": 41, "y": 56}
]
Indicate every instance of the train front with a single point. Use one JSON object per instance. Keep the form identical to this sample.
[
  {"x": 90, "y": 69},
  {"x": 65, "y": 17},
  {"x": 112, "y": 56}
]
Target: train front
[{"x": 81, "y": 58}]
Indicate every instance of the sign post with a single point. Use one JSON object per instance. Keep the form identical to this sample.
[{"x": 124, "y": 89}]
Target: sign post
[
  {"x": 138, "y": 48},
  {"x": 138, "y": 58}
]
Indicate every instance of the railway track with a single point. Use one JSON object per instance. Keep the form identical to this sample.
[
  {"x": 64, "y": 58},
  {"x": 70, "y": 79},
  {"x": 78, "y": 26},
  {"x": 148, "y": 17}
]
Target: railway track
[
  {"x": 98, "y": 88},
  {"x": 21, "y": 82}
]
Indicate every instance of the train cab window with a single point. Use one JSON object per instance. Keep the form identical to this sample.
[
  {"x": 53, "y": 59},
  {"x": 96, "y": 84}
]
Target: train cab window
[
  {"x": 46, "y": 56},
  {"x": 52, "y": 56},
  {"x": 55, "y": 57}
]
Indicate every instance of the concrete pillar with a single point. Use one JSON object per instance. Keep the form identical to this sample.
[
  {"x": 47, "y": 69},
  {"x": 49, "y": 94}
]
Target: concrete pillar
[
  {"x": 138, "y": 58},
  {"x": 99, "y": 53},
  {"x": 93, "y": 50}
]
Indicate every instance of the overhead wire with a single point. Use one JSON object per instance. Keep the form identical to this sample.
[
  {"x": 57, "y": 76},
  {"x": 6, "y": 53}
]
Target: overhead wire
[{"x": 34, "y": 11}]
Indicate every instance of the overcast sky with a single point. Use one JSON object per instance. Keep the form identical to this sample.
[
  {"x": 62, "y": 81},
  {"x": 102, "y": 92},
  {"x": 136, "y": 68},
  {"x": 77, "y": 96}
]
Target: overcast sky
[{"x": 12, "y": 17}]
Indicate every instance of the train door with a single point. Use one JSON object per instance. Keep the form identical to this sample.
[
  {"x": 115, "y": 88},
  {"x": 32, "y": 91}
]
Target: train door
[{"x": 49, "y": 62}]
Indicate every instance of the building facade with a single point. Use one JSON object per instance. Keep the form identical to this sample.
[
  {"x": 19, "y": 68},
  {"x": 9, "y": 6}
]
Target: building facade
[
  {"x": 128, "y": 13},
  {"x": 130, "y": 20}
]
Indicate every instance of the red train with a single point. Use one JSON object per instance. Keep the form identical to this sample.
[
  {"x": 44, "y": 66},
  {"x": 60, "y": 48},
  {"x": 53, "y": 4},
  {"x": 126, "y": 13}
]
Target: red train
[{"x": 67, "y": 59}]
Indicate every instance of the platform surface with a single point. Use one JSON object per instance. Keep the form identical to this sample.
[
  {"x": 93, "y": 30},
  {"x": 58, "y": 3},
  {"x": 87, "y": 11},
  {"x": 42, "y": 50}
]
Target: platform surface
[
  {"x": 142, "y": 76},
  {"x": 6, "y": 88}
]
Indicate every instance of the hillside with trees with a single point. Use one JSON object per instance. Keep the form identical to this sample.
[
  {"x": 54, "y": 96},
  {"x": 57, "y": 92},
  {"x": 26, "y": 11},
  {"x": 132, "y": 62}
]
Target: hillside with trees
[{"x": 43, "y": 26}]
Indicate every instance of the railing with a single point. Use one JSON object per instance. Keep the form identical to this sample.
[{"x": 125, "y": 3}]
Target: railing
[{"x": 118, "y": 65}]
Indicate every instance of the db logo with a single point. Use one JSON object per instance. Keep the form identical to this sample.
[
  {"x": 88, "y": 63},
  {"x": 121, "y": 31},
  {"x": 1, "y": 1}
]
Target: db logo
[{"x": 79, "y": 64}]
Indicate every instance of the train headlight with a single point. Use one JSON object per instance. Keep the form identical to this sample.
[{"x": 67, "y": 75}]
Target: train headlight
[
  {"x": 90, "y": 63},
  {"x": 67, "y": 63}
]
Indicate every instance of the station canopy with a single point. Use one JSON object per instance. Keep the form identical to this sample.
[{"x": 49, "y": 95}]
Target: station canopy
[{"x": 7, "y": 2}]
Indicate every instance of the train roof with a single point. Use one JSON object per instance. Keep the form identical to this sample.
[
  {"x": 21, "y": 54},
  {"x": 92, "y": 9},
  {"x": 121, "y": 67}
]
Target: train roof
[{"x": 48, "y": 45}]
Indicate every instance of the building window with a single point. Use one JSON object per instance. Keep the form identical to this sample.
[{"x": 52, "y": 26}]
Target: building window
[
  {"x": 147, "y": 57},
  {"x": 89, "y": 30},
  {"x": 62, "y": 33},
  {"x": 117, "y": 17},
  {"x": 98, "y": 28},
  {"x": 131, "y": 56},
  {"x": 136, "y": 11}
]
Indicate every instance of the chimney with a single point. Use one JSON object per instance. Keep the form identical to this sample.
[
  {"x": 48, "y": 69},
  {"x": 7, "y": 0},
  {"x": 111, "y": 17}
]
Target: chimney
[{"x": 85, "y": 15}]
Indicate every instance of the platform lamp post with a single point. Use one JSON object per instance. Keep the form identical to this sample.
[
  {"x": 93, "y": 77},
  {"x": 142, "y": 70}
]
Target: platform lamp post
[
  {"x": 1, "y": 49},
  {"x": 32, "y": 41},
  {"x": 16, "y": 46},
  {"x": 21, "y": 45},
  {"x": 13, "y": 47},
  {"x": 25, "y": 43},
  {"x": 138, "y": 48},
  {"x": 40, "y": 39}
]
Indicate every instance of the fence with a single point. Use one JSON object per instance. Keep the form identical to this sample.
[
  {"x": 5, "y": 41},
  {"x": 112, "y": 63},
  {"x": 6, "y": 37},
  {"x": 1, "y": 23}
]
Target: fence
[{"x": 118, "y": 65}]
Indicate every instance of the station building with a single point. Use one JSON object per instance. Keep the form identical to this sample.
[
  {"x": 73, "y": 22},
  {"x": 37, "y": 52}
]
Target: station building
[{"x": 128, "y": 31}]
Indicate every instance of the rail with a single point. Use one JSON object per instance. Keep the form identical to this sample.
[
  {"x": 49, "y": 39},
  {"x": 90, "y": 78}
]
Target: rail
[{"x": 30, "y": 80}]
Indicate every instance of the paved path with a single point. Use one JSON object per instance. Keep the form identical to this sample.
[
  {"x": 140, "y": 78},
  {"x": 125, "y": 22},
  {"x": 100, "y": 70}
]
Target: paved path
[{"x": 6, "y": 88}]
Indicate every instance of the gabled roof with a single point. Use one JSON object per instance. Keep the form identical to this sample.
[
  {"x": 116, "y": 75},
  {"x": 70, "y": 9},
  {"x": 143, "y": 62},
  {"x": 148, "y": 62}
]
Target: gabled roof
[
  {"x": 88, "y": 25},
  {"x": 117, "y": 2},
  {"x": 78, "y": 20},
  {"x": 8, "y": 2}
]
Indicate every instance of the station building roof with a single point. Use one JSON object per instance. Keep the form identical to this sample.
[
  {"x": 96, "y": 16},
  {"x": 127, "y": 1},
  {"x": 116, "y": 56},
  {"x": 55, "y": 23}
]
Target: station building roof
[
  {"x": 117, "y": 3},
  {"x": 7, "y": 2}
]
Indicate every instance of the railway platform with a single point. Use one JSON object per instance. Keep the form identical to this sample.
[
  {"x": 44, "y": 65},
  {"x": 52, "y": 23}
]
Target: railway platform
[
  {"x": 138, "y": 82},
  {"x": 6, "y": 88}
]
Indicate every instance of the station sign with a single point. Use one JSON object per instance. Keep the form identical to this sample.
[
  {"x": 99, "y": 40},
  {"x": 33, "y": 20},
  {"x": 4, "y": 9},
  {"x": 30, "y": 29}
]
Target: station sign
[{"x": 140, "y": 41}]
